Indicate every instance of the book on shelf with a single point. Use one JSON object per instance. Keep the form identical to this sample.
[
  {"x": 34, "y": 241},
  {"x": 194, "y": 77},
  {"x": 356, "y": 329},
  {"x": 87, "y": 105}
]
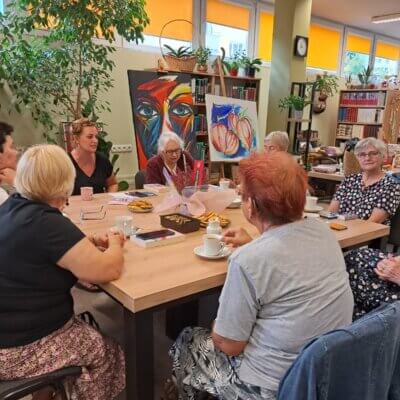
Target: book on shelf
[
  {"x": 243, "y": 93},
  {"x": 358, "y": 131},
  {"x": 361, "y": 115},
  {"x": 201, "y": 150},
  {"x": 363, "y": 98},
  {"x": 199, "y": 89},
  {"x": 200, "y": 123}
]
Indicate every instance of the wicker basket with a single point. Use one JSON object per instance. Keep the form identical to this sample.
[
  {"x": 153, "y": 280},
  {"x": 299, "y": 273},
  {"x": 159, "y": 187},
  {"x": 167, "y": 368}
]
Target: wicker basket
[
  {"x": 174, "y": 63},
  {"x": 350, "y": 163}
]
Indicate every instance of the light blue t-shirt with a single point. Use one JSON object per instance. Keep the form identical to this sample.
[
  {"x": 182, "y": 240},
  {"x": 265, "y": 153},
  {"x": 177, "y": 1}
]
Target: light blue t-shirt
[{"x": 282, "y": 290}]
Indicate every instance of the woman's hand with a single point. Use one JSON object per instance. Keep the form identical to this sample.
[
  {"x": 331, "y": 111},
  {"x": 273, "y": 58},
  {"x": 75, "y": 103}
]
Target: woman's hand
[
  {"x": 236, "y": 237},
  {"x": 389, "y": 269},
  {"x": 116, "y": 238}
]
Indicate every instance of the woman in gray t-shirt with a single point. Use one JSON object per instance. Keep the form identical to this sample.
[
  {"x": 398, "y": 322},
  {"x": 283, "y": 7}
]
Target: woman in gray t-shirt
[{"x": 282, "y": 289}]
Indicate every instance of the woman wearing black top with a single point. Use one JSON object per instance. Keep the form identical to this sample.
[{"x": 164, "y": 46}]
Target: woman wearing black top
[
  {"x": 42, "y": 254},
  {"x": 92, "y": 168}
]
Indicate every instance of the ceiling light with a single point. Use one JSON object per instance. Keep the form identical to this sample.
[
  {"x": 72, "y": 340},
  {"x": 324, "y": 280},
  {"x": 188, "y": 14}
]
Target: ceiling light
[{"x": 381, "y": 19}]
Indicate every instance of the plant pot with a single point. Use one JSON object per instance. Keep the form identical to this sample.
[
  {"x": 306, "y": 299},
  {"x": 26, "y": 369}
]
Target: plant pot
[
  {"x": 298, "y": 115},
  {"x": 181, "y": 64},
  {"x": 202, "y": 68},
  {"x": 322, "y": 96},
  {"x": 233, "y": 72},
  {"x": 250, "y": 72}
]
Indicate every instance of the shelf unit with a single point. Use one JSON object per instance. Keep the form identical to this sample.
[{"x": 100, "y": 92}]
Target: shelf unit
[
  {"x": 234, "y": 86},
  {"x": 362, "y": 113}
]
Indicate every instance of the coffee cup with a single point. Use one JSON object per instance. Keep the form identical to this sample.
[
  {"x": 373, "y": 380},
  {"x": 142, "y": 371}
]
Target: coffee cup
[
  {"x": 311, "y": 202},
  {"x": 212, "y": 244},
  {"x": 124, "y": 223},
  {"x": 224, "y": 184},
  {"x": 87, "y": 193}
]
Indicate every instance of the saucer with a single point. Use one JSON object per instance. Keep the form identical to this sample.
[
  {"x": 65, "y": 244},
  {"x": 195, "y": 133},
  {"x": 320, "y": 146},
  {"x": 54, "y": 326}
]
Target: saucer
[
  {"x": 236, "y": 203},
  {"x": 315, "y": 209},
  {"x": 199, "y": 251}
]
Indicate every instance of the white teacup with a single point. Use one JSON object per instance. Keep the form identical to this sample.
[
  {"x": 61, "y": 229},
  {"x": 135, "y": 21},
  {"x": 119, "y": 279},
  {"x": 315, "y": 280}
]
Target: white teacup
[
  {"x": 224, "y": 184},
  {"x": 212, "y": 244},
  {"x": 311, "y": 202},
  {"x": 124, "y": 223}
]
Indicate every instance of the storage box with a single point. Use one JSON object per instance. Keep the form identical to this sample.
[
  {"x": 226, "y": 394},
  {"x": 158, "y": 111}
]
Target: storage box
[{"x": 179, "y": 222}]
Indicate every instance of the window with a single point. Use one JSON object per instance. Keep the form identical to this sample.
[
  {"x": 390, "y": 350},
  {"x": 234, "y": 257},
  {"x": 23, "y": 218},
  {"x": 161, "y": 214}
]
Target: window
[
  {"x": 176, "y": 34},
  {"x": 227, "y": 26},
  {"x": 266, "y": 28},
  {"x": 323, "y": 48},
  {"x": 1, "y": 6},
  {"x": 387, "y": 57},
  {"x": 357, "y": 52}
]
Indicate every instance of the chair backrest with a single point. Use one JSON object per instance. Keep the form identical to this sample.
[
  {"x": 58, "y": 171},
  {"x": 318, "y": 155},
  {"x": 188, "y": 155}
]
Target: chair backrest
[
  {"x": 394, "y": 235},
  {"x": 140, "y": 179},
  {"x": 360, "y": 361}
]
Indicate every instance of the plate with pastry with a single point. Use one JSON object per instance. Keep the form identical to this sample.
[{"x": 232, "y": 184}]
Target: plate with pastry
[
  {"x": 140, "y": 206},
  {"x": 207, "y": 217}
]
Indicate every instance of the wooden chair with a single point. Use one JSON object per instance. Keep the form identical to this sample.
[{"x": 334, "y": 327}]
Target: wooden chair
[{"x": 18, "y": 389}]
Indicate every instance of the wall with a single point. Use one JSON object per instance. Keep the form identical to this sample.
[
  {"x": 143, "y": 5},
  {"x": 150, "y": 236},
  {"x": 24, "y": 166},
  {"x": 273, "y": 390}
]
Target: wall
[{"x": 119, "y": 121}]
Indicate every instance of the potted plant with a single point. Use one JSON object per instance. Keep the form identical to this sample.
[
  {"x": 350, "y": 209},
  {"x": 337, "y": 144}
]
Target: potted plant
[
  {"x": 232, "y": 65},
  {"x": 65, "y": 74},
  {"x": 349, "y": 79},
  {"x": 181, "y": 59},
  {"x": 251, "y": 66},
  {"x": 202, "y": 54},
  {"x": 326, "y": 85},
  {"x": 294, "y": 102},
  {"x": 365, "y": 76}
]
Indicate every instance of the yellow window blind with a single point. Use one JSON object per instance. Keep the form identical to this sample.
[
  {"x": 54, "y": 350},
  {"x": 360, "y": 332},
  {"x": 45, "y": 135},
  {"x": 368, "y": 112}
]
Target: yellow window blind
[
  {"x": 160, "y": 12},
  {"x": 222, "y": 13},
  {"x": 266, "y": 24},
  {"x": 358, "y": 44},
  {"x": 387, "y": 50},
  {"x": 323, "y": 48}
]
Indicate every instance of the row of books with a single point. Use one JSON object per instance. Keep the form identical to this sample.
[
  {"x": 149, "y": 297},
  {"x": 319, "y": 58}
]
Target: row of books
[
  {"x": 363, "y": 115},
  {"x": 359, "y": 131},
  {"x": 200, "y": 123},
  {"x": 243, "y": 93},
  {"x": 201, "y": 151},
  {"x": 363, "y": 98},
  {"x": 199, "y": 89}
]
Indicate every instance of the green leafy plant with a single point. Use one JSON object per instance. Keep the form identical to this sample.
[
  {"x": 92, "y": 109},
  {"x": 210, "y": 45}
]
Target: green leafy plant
[
  {"x": 202, "y": 55},
  {"x": 365, "y": 75},
  {"x": 293, "y": 101},
  {"x": 64, "y": 74},
  {"x": 182, "y": 52},
  {"x": 251, "y": 62},
  {"x": 327, "y": 84},
  {"x": 232, "y": 65}
]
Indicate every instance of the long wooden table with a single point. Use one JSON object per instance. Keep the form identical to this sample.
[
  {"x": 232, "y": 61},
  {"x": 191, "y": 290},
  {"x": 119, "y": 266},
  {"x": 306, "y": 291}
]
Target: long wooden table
[{"x": 161, "y": 277}]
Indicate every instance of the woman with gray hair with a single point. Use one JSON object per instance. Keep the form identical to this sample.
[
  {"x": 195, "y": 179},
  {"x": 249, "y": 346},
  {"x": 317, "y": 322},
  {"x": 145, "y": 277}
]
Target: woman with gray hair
[
  {"x": 276, "y": 141},
  {"x": 171, "y": 156},
  {"x": 371, "y": 195}
]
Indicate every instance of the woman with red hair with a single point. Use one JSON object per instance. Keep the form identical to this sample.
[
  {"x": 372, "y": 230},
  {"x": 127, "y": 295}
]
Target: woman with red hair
[{"x": 282, "y": 289}]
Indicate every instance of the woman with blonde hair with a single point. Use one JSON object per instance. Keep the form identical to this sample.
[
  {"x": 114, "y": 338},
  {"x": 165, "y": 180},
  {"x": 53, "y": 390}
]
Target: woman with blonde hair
[
  {"x": 276, "y": 141},
  {"x": 92, "y": 168},
  {"x": 42, "y": 254}
]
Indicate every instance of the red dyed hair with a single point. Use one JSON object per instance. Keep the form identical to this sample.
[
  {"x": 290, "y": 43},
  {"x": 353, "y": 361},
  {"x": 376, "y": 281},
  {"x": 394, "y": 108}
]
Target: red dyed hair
[{"x": 276, "y": 184}]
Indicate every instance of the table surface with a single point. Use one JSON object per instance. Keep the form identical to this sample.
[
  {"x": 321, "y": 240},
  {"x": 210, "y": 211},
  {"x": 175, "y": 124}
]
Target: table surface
[
  {"x": 337, "y": 176},
  {"x": 154, "y": 276}
]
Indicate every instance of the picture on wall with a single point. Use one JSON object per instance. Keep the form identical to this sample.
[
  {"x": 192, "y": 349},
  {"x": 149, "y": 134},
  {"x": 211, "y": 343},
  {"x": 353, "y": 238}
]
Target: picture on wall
[
  {"x": 160, "y": 103},
  {"x": 232, "y": 128}
]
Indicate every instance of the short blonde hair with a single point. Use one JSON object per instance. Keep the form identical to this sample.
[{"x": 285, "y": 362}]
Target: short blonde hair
[
  {"x": 373, "y": 142},
  {"x": 279, "y": 139},
  {"x": 45, "y": 173},
  {"x": 78, "y": 125}
]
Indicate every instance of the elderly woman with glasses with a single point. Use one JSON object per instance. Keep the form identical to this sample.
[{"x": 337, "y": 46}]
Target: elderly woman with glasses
[
  {"x": 92, "y": 168},
  {"x": 371, "y": 195},
  {"x": 172, "y": 159},
  {"x": 283, "y": 288},
  {"x": 42, "y": 254},
  {"x": 276, "y": 141}
]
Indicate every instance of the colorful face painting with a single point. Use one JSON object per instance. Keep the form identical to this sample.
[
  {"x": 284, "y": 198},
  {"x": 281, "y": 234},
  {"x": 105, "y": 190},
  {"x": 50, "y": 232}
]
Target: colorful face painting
[
  {"x": 160, "y": 104},
  {"x": 232, "y": 127}
]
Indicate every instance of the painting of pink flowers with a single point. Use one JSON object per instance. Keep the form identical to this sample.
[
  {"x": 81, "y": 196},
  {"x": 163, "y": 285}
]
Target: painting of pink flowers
[{"x": 232, "y": 128}]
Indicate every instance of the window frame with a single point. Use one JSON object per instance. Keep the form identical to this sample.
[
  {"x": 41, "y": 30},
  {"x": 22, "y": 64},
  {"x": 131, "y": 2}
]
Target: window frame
[
  {"x": 388, "y": 40},
  {"x": 260, "y": 7}
]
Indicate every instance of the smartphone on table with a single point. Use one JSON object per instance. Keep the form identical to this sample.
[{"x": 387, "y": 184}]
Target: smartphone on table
[
  {"x": 155, "y": 234},
  {"x": 328, "y": 215},
  {"x": 141, "y": 194}
]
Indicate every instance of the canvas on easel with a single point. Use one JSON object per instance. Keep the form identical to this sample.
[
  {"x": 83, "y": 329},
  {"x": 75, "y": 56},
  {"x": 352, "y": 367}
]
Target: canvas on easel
[{"x": 232, "y": 128}]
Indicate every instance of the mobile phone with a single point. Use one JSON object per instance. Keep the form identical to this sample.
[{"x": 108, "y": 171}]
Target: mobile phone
[
  {"x": 140, "y": 194},
  {"x": 328, "y": 215},
  {"x": 346, "y": 217},
  {"x": 155, "y": 234}
]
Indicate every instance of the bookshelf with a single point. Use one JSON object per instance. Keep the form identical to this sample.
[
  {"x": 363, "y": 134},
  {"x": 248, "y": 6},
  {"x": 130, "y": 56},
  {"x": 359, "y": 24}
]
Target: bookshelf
[
  {"x": 203, "y": 83},
  {"x": 362, "y": 113}
]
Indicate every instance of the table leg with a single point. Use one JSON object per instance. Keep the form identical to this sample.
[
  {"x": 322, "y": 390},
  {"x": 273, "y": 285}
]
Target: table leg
[{"x": 139, "y": 355}]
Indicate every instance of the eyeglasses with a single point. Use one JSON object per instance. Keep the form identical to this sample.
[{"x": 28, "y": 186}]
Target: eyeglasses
[
  {"x": 371, "y": 154},
  {"x": 93, "y": 214},
  {"x": 171, "y": 152}
]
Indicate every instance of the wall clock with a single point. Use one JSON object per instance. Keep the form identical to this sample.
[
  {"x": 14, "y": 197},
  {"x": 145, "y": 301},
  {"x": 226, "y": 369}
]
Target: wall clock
[{"x": 300, "y": 46}]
